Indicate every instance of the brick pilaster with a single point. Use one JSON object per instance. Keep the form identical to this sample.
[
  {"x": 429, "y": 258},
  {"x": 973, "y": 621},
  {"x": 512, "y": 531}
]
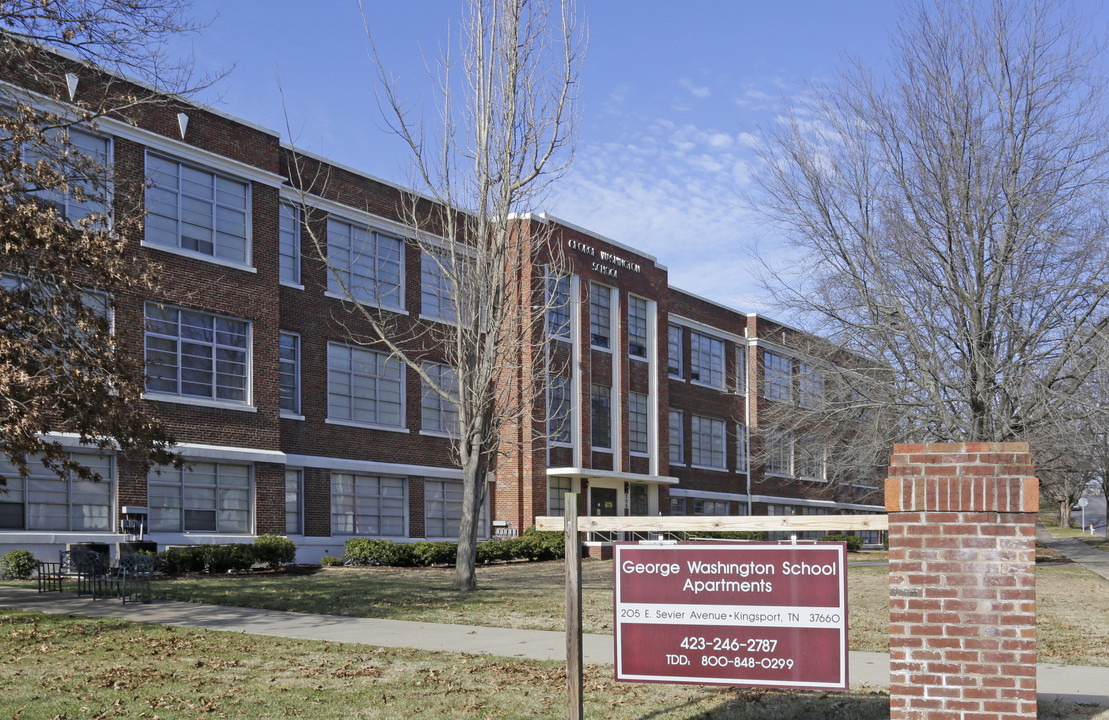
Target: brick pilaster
[{"x": 962, "y": 581}]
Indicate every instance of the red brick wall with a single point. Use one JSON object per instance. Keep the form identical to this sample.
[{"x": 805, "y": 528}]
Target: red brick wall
[{"x": 962, "y": 581}]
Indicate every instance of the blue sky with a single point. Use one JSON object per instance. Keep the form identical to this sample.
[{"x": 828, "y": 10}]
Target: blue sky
[{"x": 672, "y": 96}]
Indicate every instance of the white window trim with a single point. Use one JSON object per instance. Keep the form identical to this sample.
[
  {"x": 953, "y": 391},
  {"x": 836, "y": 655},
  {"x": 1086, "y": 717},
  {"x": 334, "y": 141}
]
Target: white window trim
[
  {"x": 299, "y": 255},
  {"x": 403, "y": 412},
  {"x": 289, "y": 414},
  {"x": 402, "y": 289},
  {"x": 248, "y": 264},
  {"x": 646, "y": 356},
  {"x": 247, "y": 404},
  {"x": 202, "y": 402}
]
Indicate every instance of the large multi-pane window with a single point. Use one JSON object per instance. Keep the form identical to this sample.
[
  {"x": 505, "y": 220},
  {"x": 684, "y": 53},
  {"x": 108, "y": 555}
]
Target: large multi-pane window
[
  {"x": 706, "y": 360},
  {"x": 601, "y": 405},
  {"x": 436, "y": 289},
  {"x": 698, "y": 506},
  {"x": 197, "y": 210},
  {"x": 558, "y": 305},
  {"x": 674, "y": 350},
  {"x": 438, "y": 413},
  {"x": 707, "y": 444},
  {"x": 443, "y": 509},
  {"x": 637, "y": 422},
  {"x": 810, "y": 458},
  {"x": 637, "y": 327},
  {"x": 557, "y": 487},
  {"x": 779, "y": 451},
  {"x": 197, "y": 354},
  {"x": 558, "y": 409},
  {"x": 85, "y": 164},
  {"x": 201, "y": 497},
  {"x": 600, "y": 316},
  {"x": 294, "y": 502},
  {"x": 365, "y": 265},
  {"x": 741, "y": 448},
  {"x": 288, "y": 246},
  {"x": 741, "y": 369},
  {"x": 364, "y": 386},
  {"x": 288, "y": 352},
  {"x": 367, "y": 505},
  {"x": 43, "y": 501},
  {"x": 810, "y": 385},
  {"x": 777, "y": 376},
  {"x": 677, "y": 438}
]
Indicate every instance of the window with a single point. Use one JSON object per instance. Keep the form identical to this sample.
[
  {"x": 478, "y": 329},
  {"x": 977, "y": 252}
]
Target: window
[
  {"x": 294, "y": 502},
  {"x": 741, "y": 448},
  {"x": 368, "y": 505},
  {"x": 779, "y": 451},
  {"x": 698, "y": 506},
  {"x": 600, "y": 316},
  {"x": 196, "y": 354},
  {"x": 708, "y": 442},
  {"x": 288, "y": 246},
  {"x": 637, "y": 422},
  {"x": 557, "y": 487},
  {"x": 677, "y": 437},
  {"x": 42, "y": 501},
  {"x": 197, "y": 210},
  {"x": 365, "y": 265},
  {"x": 741, "y": 370},
  {"x": 706, "y": 360},
  {"x": 443, "y": 509},
  {"x": 810, "y": 458},
  {"x": 637, "y": 327},
  {"x": 558, "y": 409},
  {"x": 778, "y": 376},
  {"x": 674, "y": 350},
  {"x": 289, "y": 372},
  {"x": 558, "y": 305},
  {"x": 203, "y": 497},
  {"x": 85, "y": 164},
  {"x": 364, "y": 386},
  {"x": 436, "y": 289},
  {"x": 440, "y": 414},
  {"x": 601, "y": 403},
  {"x": 810, "y": 386}
]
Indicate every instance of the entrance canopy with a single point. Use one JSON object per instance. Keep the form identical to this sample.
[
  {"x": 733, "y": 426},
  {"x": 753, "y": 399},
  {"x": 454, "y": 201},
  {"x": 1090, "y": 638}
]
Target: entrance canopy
[{"x": 591, "y": 473}]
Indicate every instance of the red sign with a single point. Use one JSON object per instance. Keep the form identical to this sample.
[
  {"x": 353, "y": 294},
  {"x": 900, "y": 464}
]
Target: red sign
[{"x": 755, "y": 614}]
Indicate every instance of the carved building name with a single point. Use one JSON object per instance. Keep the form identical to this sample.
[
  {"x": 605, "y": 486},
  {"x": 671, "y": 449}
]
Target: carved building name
[{"x": 607, "y": 263}]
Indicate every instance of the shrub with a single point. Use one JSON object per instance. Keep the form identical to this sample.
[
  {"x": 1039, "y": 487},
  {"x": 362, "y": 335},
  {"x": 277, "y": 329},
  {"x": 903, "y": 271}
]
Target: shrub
[
  {"x": 219, "y": 559},
  {"x": 331, "y": 561},
  {"x": 18, "y": 564},
  {"x": 543, "y": 545},
  {"x": 375, "y": 551},
  {"x": 854, "y": 542},
  {"x": 429, "y": 553},
  {"x": 756, "y": 535},
  {"x": 497, "y": 551},
  {"x": 274, "y": 550},
  {"x": 175, "y": 561}
]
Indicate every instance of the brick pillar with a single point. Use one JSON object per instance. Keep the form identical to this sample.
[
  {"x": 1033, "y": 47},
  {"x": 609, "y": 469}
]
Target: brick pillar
[{"x": 962, "y": 543}]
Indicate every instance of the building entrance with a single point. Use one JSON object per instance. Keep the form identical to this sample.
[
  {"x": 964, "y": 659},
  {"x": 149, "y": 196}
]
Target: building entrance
[{"x": 602, "y": 501}]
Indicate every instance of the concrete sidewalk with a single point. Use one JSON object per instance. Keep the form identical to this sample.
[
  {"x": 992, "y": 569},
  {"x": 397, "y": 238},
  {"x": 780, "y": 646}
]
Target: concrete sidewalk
[
  {"x": 1092, "y": 559},
  {"x": 1088, "y": 685}
]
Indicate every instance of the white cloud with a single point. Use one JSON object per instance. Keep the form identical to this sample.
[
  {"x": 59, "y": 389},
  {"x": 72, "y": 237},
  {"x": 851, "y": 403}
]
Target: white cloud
[{"x": 698, "y": 91}]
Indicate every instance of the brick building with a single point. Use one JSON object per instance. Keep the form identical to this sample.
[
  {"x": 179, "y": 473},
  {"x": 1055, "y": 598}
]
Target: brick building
[{"x": 291, "y": 428}]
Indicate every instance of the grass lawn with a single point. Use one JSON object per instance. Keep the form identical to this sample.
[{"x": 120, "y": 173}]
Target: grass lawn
[
  {"x": 1072, "y": 603},
  {"x": 66, "y": 668}
]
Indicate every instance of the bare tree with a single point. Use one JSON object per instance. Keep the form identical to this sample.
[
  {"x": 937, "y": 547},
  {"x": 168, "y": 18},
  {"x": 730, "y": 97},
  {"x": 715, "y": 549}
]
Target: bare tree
[
  {"x": 948, "y": 216},
  {"x": 507, "y": 114},
  {"x": 64, "y": 65}
]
